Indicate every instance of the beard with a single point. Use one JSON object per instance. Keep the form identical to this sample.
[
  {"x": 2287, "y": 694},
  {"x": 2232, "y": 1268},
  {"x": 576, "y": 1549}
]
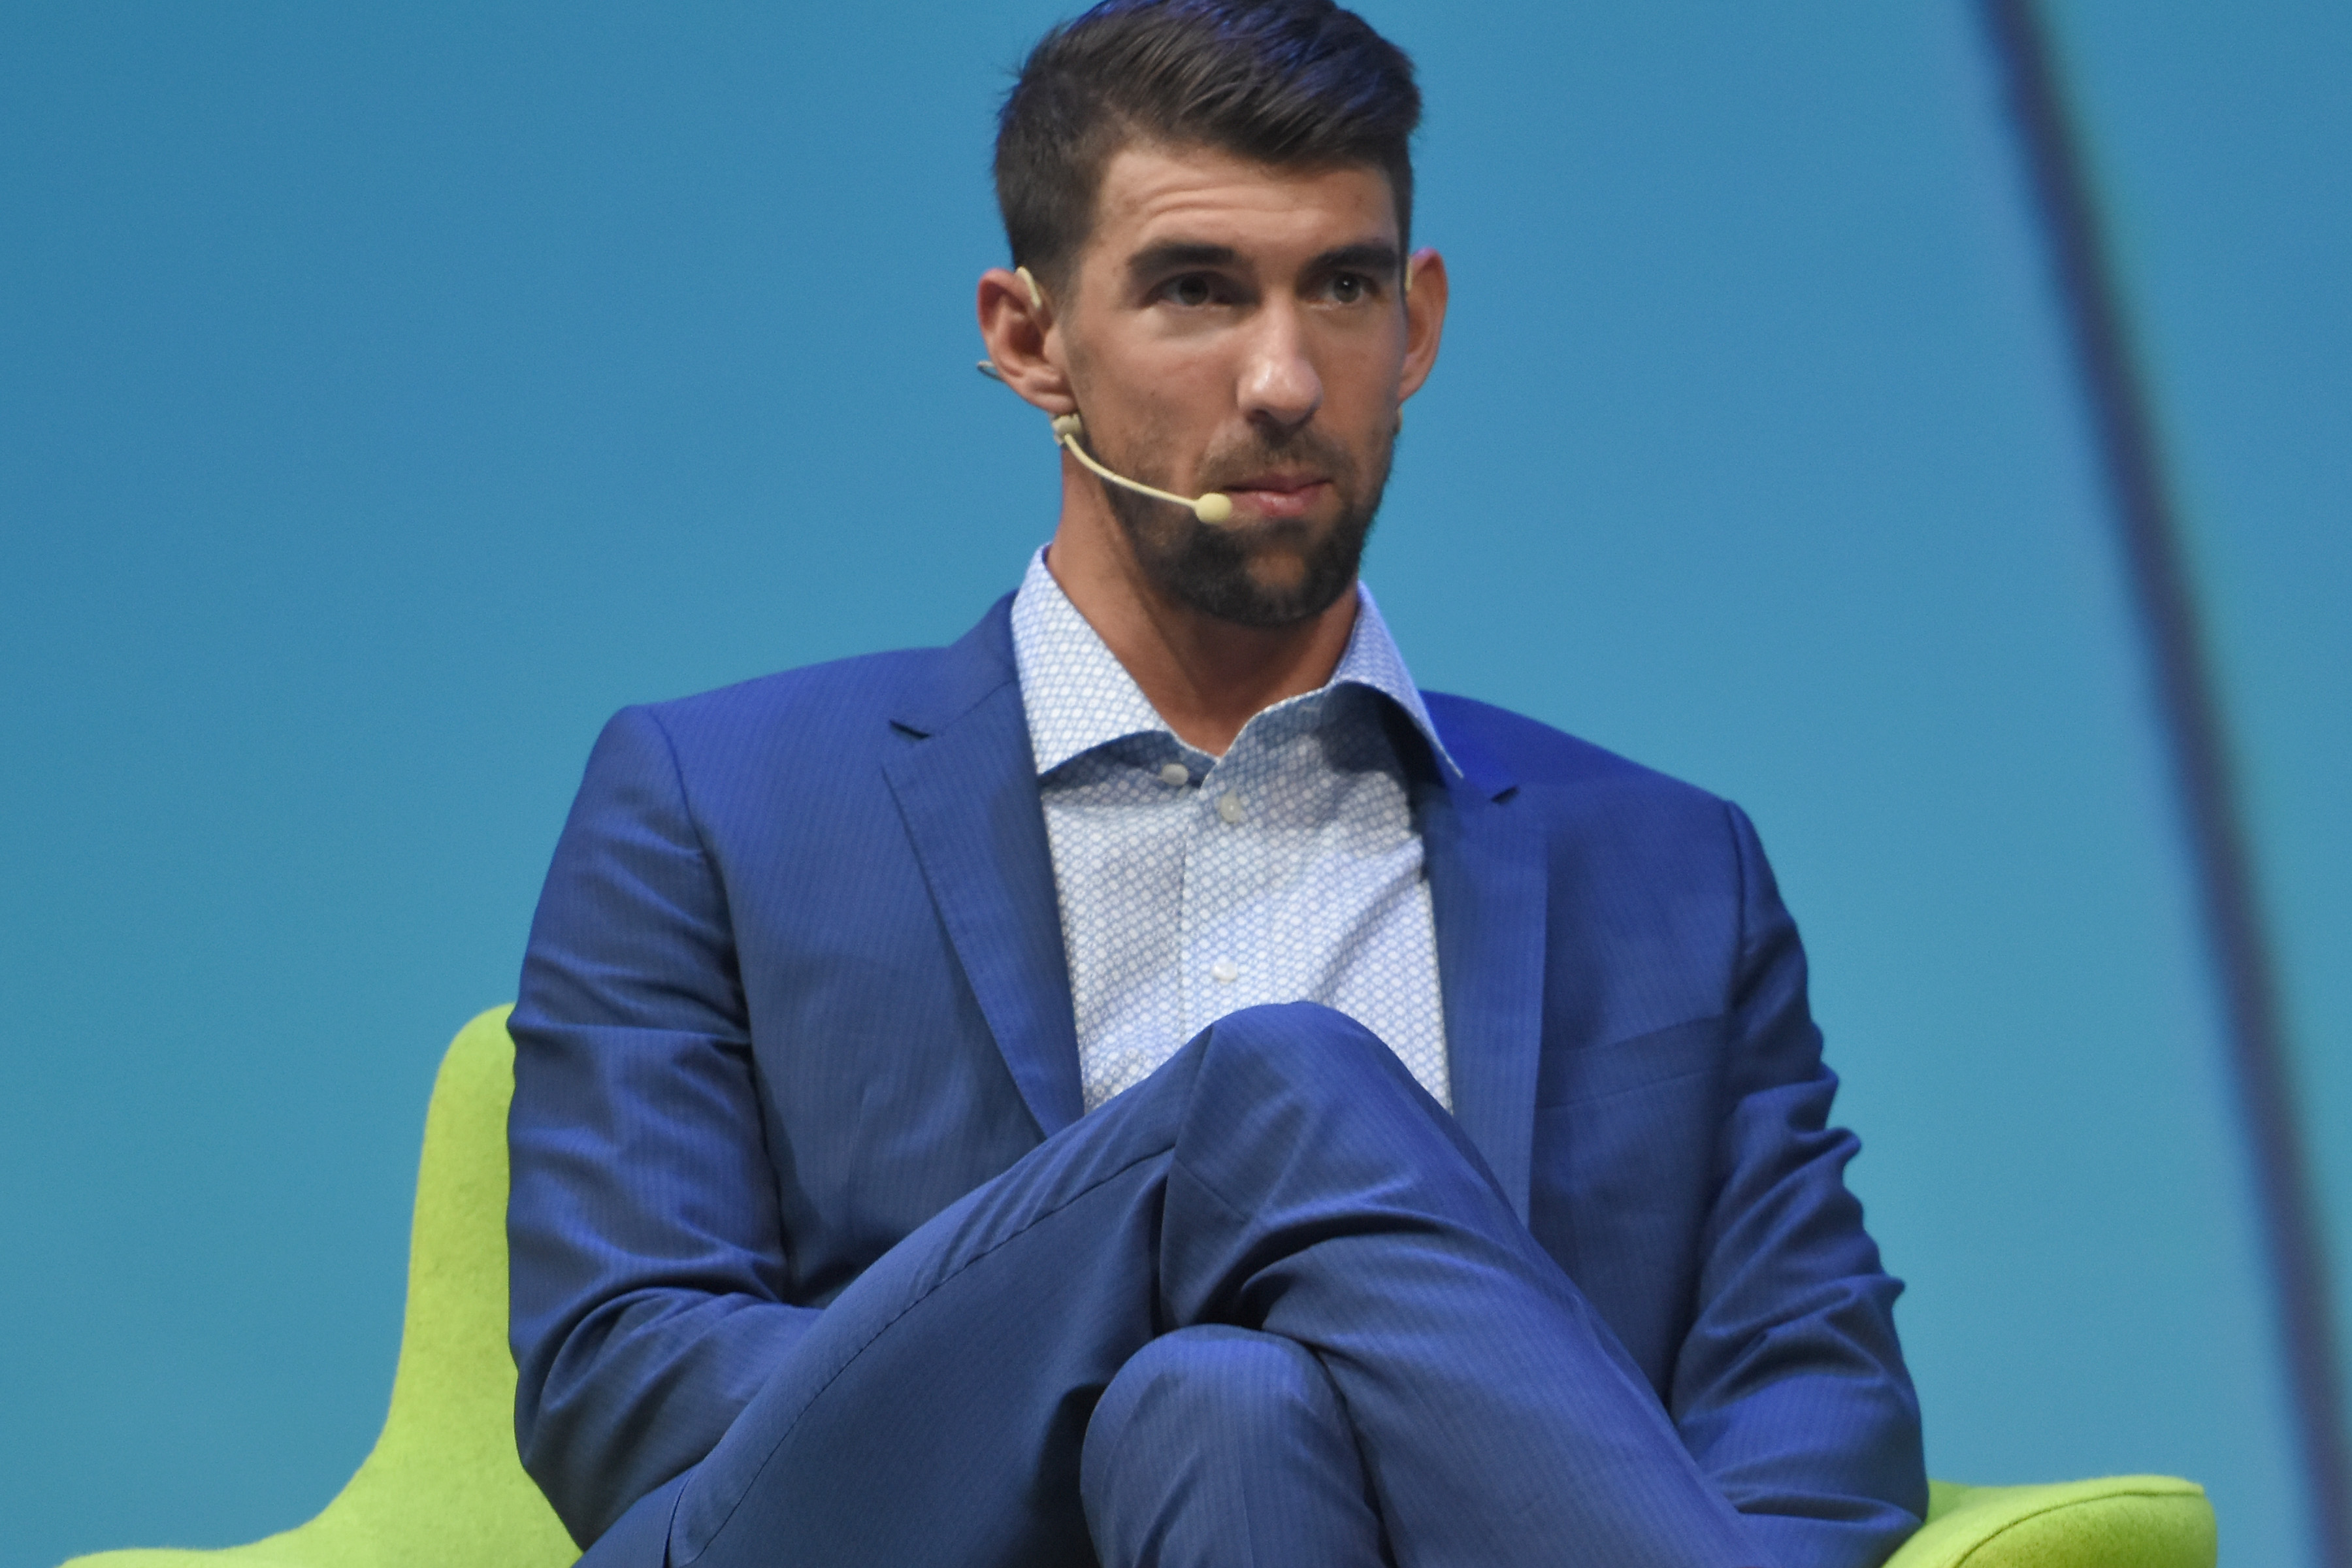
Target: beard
[{"x": 1208, "y": 566}]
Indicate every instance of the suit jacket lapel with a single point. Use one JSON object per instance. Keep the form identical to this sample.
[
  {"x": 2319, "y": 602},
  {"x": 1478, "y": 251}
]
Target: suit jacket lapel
[
  {"x": 1487, "y": 887},
  {"x": 967, "y": 787}
]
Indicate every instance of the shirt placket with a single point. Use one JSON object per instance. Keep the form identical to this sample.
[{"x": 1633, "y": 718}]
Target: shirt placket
[{"x": 1232, "y": 964}]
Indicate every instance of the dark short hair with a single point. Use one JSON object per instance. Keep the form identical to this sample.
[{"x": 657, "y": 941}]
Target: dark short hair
[{"x": 1294, "y": 84}]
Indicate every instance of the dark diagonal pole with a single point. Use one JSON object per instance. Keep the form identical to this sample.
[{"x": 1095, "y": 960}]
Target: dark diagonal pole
[{"x": 2145, "y": 517}]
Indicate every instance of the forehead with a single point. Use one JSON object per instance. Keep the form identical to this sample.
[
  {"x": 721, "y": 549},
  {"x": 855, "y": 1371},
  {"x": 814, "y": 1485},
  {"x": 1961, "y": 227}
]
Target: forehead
[{"x": 1154, "y": 195}]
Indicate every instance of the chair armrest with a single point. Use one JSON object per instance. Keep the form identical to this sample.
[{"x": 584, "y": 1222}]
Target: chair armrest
[{"x": 2115, "y": 1521}]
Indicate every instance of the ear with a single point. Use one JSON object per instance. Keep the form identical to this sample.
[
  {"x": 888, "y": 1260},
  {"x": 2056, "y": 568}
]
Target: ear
[
  {"x": 1016, "y": 323},
  {"x": 1424, "y": 319}
]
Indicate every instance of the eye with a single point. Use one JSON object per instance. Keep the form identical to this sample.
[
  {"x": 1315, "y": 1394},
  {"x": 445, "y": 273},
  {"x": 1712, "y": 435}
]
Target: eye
[
  {"x": 1192, "y": 290},
  {"x": 1349, "y": 288}
]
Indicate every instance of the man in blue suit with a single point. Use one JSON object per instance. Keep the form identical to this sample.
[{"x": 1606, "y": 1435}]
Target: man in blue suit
[{"x": 871, "y": 1205}]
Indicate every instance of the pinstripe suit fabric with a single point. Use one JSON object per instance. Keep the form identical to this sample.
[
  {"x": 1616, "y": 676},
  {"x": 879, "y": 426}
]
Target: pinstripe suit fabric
[
  {"x": 1283, "y": 1486},
  {"x": 796, "y": 987}
]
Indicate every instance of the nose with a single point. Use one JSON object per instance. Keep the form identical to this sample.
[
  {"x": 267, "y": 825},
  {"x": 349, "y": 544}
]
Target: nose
[{"x": 1279, "y": 383}]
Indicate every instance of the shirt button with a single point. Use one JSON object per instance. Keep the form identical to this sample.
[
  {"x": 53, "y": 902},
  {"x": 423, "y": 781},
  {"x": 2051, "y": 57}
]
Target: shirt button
[
  {"x": 1175, "y": 773},
  {"x": 1225, "y": 972},
  {"x": 1229, "y": 807}
]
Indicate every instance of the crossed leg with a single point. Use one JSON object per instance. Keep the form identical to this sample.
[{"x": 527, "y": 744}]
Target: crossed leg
[
  {"x": 1281, "y": 1174},
  {"x": 1225, "y": 1448}
]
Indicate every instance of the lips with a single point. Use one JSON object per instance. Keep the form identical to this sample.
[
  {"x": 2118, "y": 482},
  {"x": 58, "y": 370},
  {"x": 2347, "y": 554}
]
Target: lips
[{"x": 1277, "y": 495}]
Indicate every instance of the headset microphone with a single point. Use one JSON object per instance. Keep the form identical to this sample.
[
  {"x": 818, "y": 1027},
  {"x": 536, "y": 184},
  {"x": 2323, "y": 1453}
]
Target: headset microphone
[{"x": 1214, "y": 507}]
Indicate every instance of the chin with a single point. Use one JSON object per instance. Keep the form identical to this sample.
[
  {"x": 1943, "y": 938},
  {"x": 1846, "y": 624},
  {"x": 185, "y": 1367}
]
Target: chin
[{"x": 1268, "y": 573}]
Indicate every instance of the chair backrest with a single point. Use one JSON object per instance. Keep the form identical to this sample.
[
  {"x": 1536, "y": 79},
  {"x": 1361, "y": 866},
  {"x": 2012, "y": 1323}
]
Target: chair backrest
[{"x": 444, "y": 1484}]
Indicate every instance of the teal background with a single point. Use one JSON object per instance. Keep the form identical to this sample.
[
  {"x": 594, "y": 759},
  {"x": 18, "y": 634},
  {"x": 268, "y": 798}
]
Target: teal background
[{"x": 389, "y": 393}]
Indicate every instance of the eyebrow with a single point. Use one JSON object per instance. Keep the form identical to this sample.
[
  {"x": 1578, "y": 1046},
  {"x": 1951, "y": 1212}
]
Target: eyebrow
[
  {"x": 1376, "y": 257},
  {"x": 1175, "y": 256}
]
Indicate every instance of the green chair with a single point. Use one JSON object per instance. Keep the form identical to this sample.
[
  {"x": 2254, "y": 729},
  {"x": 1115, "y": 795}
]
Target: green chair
[{"x": 442, "y": 1488}]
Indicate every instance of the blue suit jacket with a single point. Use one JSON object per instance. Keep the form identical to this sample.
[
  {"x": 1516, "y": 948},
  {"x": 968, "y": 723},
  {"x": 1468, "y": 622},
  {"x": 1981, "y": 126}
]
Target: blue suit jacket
[{"x": 796, "y": 983}]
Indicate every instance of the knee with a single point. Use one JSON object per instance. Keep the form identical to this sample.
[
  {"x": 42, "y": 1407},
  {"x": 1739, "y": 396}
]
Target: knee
[
  {"x": 1307, "y": 1046},
  {"x": 1246, "y": 1387},
  {"x": 1297, "y": 1092}
]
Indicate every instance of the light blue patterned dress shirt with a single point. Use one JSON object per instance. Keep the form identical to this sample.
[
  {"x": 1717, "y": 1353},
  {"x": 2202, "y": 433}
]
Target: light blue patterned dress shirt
[{"x": 1191, "y": 886}]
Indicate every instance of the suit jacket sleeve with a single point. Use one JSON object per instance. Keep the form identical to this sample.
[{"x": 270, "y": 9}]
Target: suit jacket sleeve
[
  {"x": 1790, "y": 1388},
  {"x": 646, "y": 1255}
]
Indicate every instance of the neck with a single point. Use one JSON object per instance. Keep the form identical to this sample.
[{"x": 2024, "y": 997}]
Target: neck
[{"x": 1206, "y": 677}]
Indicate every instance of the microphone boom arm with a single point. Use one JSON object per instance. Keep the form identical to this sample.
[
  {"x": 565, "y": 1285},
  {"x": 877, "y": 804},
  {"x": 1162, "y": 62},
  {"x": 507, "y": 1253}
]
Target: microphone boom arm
[{"x": 1214, "y": 507}]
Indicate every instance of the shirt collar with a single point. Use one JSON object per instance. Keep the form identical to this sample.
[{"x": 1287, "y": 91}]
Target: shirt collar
[{"x": 1080, "y": 696}]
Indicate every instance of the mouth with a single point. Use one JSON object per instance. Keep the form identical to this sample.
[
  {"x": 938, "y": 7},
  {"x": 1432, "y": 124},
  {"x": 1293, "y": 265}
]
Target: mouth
[{"x": 1277, "y": 495}]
